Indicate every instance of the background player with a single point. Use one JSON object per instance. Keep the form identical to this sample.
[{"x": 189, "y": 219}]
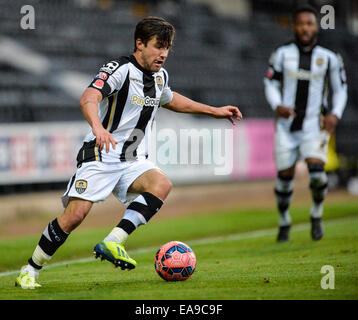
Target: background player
[
  {"x": 296, "y": 87},
  {"x": 120, "y": 105}
]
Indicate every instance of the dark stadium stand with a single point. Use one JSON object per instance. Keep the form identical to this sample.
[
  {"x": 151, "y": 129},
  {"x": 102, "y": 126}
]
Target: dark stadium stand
[{"x": 215, "y": 59}]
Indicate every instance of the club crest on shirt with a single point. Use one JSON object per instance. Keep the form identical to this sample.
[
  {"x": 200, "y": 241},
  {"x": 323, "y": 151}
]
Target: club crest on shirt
[
  {"x": 159, "y": 81},
  {"x": 81, "y": 186},
  {"x": 319, "y": 61}
]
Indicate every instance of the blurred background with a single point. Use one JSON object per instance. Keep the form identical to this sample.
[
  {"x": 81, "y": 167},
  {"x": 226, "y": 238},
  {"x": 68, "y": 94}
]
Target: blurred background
[{"x": 220, "y": 57}]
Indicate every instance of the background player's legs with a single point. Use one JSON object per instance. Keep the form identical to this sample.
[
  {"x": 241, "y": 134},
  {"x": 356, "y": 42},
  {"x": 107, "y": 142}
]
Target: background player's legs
[
  {"x": 319, "y": 188},
  {"x": 286, "y": 155},
  {"x": 283, "y": 192},
  {"x": 318, "y": 185},
  {"x": 153, "y": 187},
  {"x": 57, "y": 231}
]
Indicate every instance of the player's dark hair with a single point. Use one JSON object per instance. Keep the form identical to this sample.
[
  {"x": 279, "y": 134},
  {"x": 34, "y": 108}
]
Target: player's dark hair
[
  {"x": 150, "y": 27},
  {"x": 304, "y": 8}
]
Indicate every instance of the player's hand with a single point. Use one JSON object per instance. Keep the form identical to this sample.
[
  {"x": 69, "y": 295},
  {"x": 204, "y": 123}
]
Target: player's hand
[
  {"x": 103, "y": 138},
  {"x": 228, "y": 112},
  {"x": 285, "y": 112},
  {"x": 330, "y": 122}
]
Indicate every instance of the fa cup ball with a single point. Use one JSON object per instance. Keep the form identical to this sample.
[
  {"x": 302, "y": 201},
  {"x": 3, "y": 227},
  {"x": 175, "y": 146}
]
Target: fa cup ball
[{"x": 175, "y": 261}]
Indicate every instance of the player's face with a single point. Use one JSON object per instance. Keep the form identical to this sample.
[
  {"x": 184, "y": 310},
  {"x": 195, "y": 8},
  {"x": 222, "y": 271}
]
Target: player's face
[
  {"x": 306, "y": 28},
  {"x": 153, "y": 55}
]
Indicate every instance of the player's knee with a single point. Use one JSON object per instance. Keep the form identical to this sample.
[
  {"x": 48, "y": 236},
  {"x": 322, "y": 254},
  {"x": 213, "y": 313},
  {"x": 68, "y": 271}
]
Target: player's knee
[
  {"x": 315, "y": 167},
  {"x": 162, "y": 187},
  {"x": 318, "y": 181},
  {"x": 284, "y": 183},
  {"x": 318, "y": 176},
  {"x": 287, "y": 174},
  {"x": 168, "y": 185}
]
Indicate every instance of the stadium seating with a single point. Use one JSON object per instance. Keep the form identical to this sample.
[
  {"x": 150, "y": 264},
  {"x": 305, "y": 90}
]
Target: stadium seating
[{"x": 215, "y": 59}]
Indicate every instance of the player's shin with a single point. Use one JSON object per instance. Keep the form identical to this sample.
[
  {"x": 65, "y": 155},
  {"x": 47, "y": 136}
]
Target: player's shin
[
  {"x": 283, "y": 193},
  {"x": 52, "y": 238},
  {"x": 319, "y": 188},
  {"x": 139, "y": 212}
]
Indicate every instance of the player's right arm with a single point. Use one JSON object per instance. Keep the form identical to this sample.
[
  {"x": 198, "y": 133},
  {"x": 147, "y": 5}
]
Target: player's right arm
[
  {"x": 108, "y": 80},
  {"x": 272, "y": 81},
  {"x": 89, "y": 106}
]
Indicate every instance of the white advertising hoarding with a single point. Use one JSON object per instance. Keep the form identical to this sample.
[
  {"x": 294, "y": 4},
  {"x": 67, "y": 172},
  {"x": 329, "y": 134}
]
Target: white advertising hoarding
[{"x": 187, "y": 149}]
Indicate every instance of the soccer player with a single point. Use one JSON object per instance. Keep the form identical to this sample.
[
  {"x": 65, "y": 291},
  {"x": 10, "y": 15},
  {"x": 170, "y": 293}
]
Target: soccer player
[
  {"x": 120, "y": 105},
  {"x": 296, "y": 86}
]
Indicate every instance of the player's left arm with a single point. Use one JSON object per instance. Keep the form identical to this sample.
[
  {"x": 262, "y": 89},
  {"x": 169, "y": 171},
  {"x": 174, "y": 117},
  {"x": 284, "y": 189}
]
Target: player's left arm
[
  {"x": 180, "y": 103},
  {"x": 339, "y": 93}
]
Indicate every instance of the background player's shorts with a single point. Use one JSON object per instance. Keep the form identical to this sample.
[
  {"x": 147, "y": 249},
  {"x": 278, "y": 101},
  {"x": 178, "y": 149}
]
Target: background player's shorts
[
  {"x": 94, "y": 181},
  {"x": 293, "y": 146}
]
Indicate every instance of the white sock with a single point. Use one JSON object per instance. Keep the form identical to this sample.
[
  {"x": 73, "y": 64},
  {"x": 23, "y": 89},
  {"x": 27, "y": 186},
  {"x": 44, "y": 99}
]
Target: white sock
[
  {"x": 285, "y": 219},
  {"x": 117, "y": 235},
  {"x": 31, "y": 270},
  {"x": 40, "y": 257},
  {"x": 317, "y": 210}
]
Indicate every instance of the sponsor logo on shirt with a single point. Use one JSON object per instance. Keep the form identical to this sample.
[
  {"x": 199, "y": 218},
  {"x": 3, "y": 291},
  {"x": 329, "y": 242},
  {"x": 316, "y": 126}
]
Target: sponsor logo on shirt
[
  {"x": 304, "y": 75},
  {"x": 147, "y": 101}
]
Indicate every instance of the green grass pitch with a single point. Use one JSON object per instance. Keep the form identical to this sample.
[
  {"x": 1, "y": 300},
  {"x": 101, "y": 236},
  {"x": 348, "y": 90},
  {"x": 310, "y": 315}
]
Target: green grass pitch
[{"x": 237, "y": 258}]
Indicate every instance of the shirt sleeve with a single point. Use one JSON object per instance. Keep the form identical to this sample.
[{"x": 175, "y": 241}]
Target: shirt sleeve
[
  {"x": 109, "y": 78},
  {"x": 338, "y": 83},
  {"x": 167, "y": 94},
  {"x": 273, "y": 79}
]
